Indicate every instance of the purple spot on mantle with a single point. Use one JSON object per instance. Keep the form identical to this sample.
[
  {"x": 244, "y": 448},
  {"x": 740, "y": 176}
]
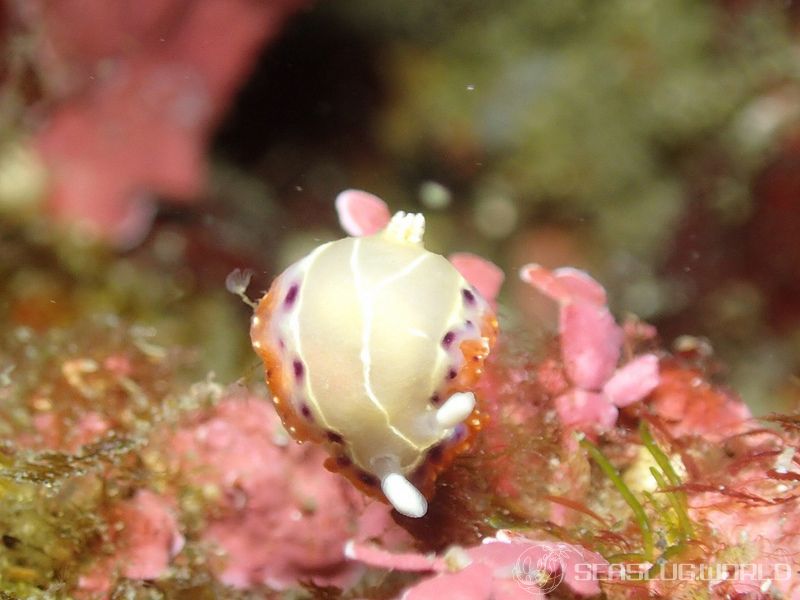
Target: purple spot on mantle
[
  {"x": 305, "y": 411},
  {"x": 469, "y": 297},
  {"x": 451, "y": 374},
  {"x": 291, "y": 295},
  {"x": 448, "y": 339},
  {"x": 298, "y": 369},
  {"x": 435, "y": 453},
  {"x": 459, "y": 432},
  {"x": 335, "y": 437},
  {"x": 435, "y": 399},
  {"x": 368, "y": 479}
]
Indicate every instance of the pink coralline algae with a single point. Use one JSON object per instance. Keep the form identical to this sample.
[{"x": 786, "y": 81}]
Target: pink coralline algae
[
  {"x": 150, "y": 533},
  {"x": 765, "y": 537},
  {"x": 743, "y": 496},
  {"x": 279, "y": 517},
  {"x": 507, "y": 566},
  {"x": 137, "y": 87},
  {"x": 145, "y": 535},
  {"x": 591, "y": 347},
  {"x": 53, "y": 434},
  {"x": 689, "y": 405},
  {"x": 361, "y": 213}
]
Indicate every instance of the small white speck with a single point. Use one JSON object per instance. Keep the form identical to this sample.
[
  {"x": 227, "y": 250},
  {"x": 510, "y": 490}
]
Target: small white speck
[
  {"x": 349, "y": 550},
  {"x": 298, "y": 188},
  {"x": 5, "y": 374},
  {"x": 470, "y": 88},
  {"x": 456, "y": 559},
  {"x": 256, "y": 344},
  {"x": 784, "y": 461},
  {"x": 502, "y": 536}
]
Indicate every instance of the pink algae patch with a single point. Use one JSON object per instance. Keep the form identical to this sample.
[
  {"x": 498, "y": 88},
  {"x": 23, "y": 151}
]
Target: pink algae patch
[
  {"x": 633, "y": 381},
  {"x": 52, "y": 433},
  {"x": 280, "y": 516},
  {"x": 566, "y": 284},
  {"x": 689, "y": 405},
  {"x": 591, "y": 345},
  {"x": 135, "y": 96},
  {"x": 361, "y": 213},
  {"x": 579, "y": 408},
  {"x": 150, "y": 535},
  {"x": 146, "y": 536},
  {"x": 507, "y": 566}
]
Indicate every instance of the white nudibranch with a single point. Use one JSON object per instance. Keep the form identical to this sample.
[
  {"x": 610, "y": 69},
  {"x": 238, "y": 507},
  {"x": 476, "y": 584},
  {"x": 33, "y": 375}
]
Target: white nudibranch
[{"x": 372, "y": 346}]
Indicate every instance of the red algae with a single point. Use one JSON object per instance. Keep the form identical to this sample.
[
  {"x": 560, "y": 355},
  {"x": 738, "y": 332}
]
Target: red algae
[
  {"x": 277, "y": 516},
  {"x": 508, "y": 566},
  {"x": 145, "y": 533},
  {"x": 118, "y": 135}
]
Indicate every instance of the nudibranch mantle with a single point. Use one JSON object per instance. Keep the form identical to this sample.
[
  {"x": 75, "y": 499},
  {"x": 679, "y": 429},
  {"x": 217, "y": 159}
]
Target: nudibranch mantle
[{"x": 371, "y": 347}]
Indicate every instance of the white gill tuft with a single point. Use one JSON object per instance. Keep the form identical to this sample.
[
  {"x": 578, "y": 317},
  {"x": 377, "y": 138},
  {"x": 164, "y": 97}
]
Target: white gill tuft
[{"x": 408, "y": 228}]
